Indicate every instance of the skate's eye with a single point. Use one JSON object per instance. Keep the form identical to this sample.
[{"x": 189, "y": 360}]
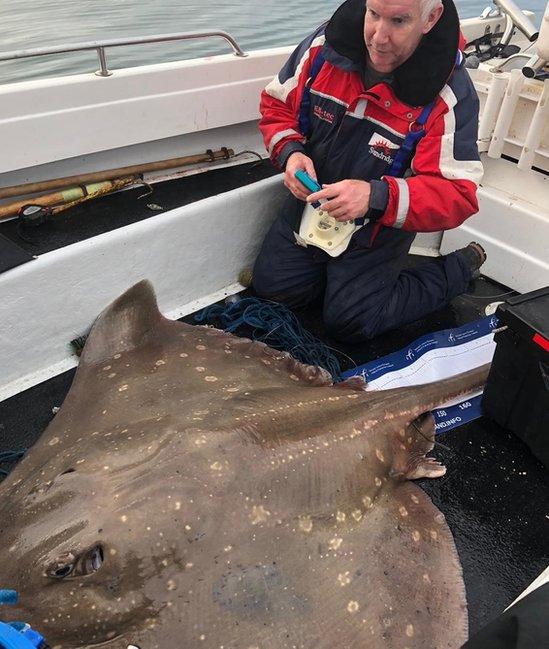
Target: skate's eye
[
  {"x": 62, "y": 567},
  {"x": 67, "y": 565},
  {"x": 91, "y": 561}
]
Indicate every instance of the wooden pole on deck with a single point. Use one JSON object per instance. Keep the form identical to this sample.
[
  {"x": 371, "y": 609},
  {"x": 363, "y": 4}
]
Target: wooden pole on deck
[
  {"x": 68, "y": 197},
  {"x": 111, "y": 174}
]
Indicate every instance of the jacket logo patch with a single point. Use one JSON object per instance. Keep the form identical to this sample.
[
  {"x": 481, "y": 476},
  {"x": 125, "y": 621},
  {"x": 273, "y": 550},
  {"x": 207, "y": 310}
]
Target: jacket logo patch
[
  {"x": 324, "y": 115},
  {"x": 382, "y": 148}
]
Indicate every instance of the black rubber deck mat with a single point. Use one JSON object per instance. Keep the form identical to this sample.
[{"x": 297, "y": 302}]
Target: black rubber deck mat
[{"x": 11, "y": 254}]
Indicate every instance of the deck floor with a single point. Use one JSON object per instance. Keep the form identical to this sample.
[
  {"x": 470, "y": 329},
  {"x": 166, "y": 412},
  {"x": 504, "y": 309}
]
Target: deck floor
[{"x": 494, "y": 492}]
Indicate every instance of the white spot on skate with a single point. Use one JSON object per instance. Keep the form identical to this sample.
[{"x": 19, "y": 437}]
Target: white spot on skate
[
  {"x": 344, "y": 579},
  {"x": 305, "y": 524},
  {"x": 259, "y": 514},
  {"x": 352, "y": 607}
]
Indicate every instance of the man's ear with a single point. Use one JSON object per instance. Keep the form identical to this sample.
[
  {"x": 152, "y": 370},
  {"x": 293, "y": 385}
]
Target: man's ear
[{"x": 433, "y": 18}]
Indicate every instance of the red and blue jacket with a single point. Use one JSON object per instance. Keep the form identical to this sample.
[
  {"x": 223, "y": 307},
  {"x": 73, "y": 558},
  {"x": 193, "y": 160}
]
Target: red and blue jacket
[{"x": 355, "y": 132}]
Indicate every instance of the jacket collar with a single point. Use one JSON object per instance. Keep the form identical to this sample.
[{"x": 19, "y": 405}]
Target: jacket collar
[{"x": 419, "y": 79}]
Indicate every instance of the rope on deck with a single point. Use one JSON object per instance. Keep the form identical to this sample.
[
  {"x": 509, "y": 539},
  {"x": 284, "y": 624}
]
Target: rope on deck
[{"x": 275, "y": 325}]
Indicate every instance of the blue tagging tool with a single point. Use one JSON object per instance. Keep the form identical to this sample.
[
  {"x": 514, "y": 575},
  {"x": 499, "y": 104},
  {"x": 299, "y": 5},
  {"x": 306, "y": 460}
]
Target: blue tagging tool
[
  {"x": 17, "y": 635},
  {"x": 26, "y": 638},
  {"x": 307, "y": 181},
  {"x": 309, "y": 184}
]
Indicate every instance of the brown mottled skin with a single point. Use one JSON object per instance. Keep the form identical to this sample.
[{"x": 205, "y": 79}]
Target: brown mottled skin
[{"x": 201, "y": 490}]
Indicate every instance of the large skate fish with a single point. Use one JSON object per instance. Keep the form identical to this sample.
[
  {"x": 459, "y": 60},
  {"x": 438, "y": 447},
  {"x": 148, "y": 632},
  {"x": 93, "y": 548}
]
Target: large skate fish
[{"x": 201, "y": 490}]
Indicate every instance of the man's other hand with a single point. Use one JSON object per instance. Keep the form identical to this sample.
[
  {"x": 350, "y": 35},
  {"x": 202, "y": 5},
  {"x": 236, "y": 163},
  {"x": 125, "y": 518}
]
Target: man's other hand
[
  {"x": 297, "y": 161},
  {"x": 345, "y": 200}
]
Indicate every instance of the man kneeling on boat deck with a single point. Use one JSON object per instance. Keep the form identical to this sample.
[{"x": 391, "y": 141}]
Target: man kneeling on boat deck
[{"x": 340, "y": 110}]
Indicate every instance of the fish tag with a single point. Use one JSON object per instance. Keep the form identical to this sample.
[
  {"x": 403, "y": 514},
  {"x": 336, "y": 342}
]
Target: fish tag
[{"x": 320, "y": 229}]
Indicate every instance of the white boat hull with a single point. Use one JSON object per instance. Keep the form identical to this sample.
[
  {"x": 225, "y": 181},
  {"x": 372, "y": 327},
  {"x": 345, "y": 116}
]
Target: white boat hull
[{"x": 192, "y": 255}]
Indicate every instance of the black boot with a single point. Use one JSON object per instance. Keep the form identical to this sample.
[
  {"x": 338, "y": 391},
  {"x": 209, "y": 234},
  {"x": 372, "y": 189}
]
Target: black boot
[{"x": 474, "y": 255}]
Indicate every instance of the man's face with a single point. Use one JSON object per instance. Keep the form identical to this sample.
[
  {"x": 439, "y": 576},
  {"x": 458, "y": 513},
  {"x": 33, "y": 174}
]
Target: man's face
[{"x": 393, "y": 30}]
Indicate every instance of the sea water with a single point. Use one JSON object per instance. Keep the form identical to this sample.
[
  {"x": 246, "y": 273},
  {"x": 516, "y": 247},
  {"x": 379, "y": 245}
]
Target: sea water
[{"x": 253, "y": 23}]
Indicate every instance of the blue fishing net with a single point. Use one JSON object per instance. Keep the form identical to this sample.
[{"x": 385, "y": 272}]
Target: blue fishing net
[{"x": 275, "y": 325}]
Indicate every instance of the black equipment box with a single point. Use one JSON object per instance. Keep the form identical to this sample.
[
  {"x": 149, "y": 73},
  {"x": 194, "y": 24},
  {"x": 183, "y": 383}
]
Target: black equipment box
[{"x": 516, "y": 395}]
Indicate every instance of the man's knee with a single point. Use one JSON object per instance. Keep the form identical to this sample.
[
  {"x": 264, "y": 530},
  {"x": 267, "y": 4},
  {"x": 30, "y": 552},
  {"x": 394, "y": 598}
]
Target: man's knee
[
  {"x": 268, "y": 279},
  {"x": 293, "y": 292},
  {"x": 263, "y": 275}
]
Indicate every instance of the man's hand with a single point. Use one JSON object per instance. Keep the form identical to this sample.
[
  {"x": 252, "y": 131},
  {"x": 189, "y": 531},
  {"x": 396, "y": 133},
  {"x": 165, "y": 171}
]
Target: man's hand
[
  {"x": 297, "y": 161},
  {"x": 345, "y": 200}
]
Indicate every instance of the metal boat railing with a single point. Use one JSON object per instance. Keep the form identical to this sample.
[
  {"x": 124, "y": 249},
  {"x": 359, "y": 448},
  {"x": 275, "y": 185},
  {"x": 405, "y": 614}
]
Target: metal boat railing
[{"x": 101, "y": 46}]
